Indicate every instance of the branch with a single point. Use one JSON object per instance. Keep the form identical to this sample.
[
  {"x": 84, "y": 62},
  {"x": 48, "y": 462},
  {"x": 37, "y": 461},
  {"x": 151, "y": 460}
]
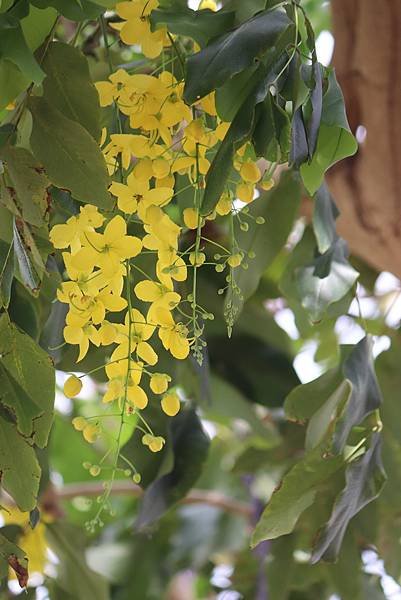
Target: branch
[{"x": 95, "y": 488}]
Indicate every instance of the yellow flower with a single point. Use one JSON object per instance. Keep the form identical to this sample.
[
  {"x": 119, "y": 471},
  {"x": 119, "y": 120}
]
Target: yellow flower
[
  {"x": 72, "y": 386},
  {"x": 171, "y": 404},
  {"x": 191, "y": 217},
  {"x": 107, "y": 250},
  {"x": 136, "y": 29},
  {"x": 173, "y": 335},
  {"x": 159, "y": 382},
  {"x": 91, "y": 432},
  {"x": 250, "y": 172},
  {"x": 140, "y": 332},
  {"x": 267, "y": 184},
  {"x": 158, "y": 294},
  {"x": 80, "y": 333},
  {"x": 235, "y": 260},
  {"x": 154, "y": 443},
  {"x": 224, "y": 205},
  {"x": 245, "y": 192},
  {"x": 71, "y": 233}
]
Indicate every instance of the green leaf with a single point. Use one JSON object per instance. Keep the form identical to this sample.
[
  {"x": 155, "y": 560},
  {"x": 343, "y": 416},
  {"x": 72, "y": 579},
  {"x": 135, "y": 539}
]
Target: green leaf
[
  {"x": 306, "y": 399},
  {"x": 28, "y": 182},
  {"x": 13, "y": 47},
  {"x": 240, "y": 130},
  {"x": 323, "y": 418},
  {"x": 295, "y": 494},
  {"x": 324, "y": 216},
  {"x": 19, "y": 467},
  {"x": 73, "y": 574},
  {"x": 200, "y": 25},
  {"x": 279, "y": 209},
  {"x": 12, "y": 556},
  {"x": 190, "y": 448},
  {"x": 335, "y": 140},
  {"x": 232, "y": 53},
  {"x": 7, "y": 265},
  {"x": 364, "y": 478},
  {"x": 299, "y": 140},
  {"x": 35, "y": 27},
  {"x": 366, "y": 397},
  {"x": 234, "y": 92},
  {"x": 76, "y": 10},
  {"x": 28, "y": 383},
  {"x": 71, "y": 157},
  {"x": 28, "y": 273},
  {"x": 68, "y": 86}
]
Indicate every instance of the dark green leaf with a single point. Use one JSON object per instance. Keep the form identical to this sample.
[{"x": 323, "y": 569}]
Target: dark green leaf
[
  {"x": 299, "y": 142},
  {"x": 71, "y": 157},
  {"x": 295, "y": 494},
  {"x": 76, "y": 10},
  {"x": 335, "y": 140},
  {"x": 324, "y": 216},
  {"x": 190, "y": 447},
  {"x": 68, "y": 86},
  {"x": 28, "y": 182},
  {"x": 28, "y": 383},
  {"x": 7, "y": 265},
  {"x": 19, "y": 467},
  {"x": 234, "y": 92},
  {"x": 232, "y": 53},
  {"x": 279, "y": 209},
  {"x": 316, "y": 100},
  {"x": 201, "y": 25},
  {"x": 366, "y": 397},
  {"x": 365, "y": 478},
  {"x": 13, "y": 47},
  {"x": 27, "y": 270}
]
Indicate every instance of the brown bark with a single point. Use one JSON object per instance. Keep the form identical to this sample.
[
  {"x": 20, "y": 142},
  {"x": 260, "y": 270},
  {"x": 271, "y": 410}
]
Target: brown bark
[{"x": 367, "y": 186}]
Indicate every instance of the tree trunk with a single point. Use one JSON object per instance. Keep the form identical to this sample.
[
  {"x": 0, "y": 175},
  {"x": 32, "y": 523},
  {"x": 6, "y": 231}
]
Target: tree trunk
[{"x": 367, "y": 187}]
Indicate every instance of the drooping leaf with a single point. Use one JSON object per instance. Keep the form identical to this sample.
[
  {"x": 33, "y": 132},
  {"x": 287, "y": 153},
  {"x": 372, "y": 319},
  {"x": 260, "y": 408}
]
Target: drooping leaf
[
  {"x": 68, "y": 86},
  {"x": 28, "y": 382},
  {"x": 324, "y": 216},
  {"x": 71, "y": 157},
  {"x": 365, "y": 397},
  {"x": 335, "y": 140},
  {"x": 295, "y": 494},
  {"x": 233, "y": 93},
  {"x": 305, "y": 400},
  {"x": 201, "y": 25},
  {"x": 279, "y": 209},
  {"x": 19, "y": 467},
  {"x": 190, "y": 447},
  {"x": 240, "y": 130},
  {"x": 316, "y": 101},
  {"x": 28, "y": 182},
  {"x": 299, "y": 141},
  {"x": 365, "y": 478},
  {"x": 27, "y": 270},
  {"x": 233, "y": 52},
  {"x": 7, "y": 266},
  {"x": 14, "y": 48}
]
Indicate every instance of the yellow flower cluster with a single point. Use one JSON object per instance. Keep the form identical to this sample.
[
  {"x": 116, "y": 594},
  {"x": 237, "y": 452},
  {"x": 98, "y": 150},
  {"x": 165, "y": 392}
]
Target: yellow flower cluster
[{"x": 160, "y": 138}]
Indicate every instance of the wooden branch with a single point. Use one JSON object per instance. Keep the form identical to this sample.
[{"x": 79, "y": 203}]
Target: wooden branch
[{"x": 209, "y": 497}]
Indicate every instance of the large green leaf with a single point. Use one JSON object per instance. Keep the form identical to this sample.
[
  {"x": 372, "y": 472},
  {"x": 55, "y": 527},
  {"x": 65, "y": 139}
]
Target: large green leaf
[
  {"x": 68, "y": 86},
  {"x": 364, "y": 480},
  {"x": 28, "y": 182},
  {"x": 190, "y": 448},
  {"x": 295, "y": 494},
  {"x": 70, "y": 155},
  {"x": 7, "y": 266},
  {"x": 14, "y": 48},
  {"x": 232, "y": 53},
  {"x": 19, "y": 466},
  {"x": 279, "y": 209},
  {"x": 28, "y": 382},
  {"x": 335, "y": 140},
  {"x": 201, "y": 25}
]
